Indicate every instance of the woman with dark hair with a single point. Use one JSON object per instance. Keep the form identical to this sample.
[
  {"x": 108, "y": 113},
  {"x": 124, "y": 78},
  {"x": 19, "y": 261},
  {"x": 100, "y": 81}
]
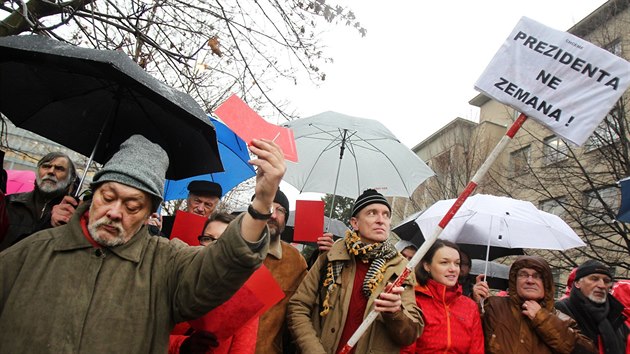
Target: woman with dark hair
[{"x": 451, "y": 320}]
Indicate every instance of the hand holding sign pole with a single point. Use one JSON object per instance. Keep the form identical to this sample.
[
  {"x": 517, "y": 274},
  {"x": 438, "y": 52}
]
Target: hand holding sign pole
[{"x": 571, "y": 93}]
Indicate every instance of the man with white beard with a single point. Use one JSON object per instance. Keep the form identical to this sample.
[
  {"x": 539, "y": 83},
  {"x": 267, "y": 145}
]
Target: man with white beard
[
  {"x": 30, "y": 212},
  {"x": 598, "y": 314}
]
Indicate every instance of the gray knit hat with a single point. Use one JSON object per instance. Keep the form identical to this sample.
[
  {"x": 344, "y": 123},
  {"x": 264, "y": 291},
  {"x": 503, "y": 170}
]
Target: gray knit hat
[{"x": 138, "y": 163}]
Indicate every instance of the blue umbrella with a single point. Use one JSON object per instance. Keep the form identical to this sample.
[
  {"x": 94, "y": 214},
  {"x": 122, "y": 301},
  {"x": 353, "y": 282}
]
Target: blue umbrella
[
  {"x": 624, "y": 210},
  {"x": 234, "y": 156}
]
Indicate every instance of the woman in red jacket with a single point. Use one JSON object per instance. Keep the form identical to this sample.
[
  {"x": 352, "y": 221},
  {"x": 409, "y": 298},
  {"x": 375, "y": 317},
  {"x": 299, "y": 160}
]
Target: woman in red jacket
[{"x": 451, "y": 320}]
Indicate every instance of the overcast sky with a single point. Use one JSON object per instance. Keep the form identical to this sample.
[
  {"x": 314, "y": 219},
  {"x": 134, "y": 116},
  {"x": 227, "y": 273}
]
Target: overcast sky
[{"x": 416, "y": 68}]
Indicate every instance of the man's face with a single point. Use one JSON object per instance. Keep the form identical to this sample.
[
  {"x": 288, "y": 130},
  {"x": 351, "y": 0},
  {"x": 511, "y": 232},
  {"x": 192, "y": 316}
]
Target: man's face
[
  {"x": 464, "y": 265},
  {"x": 278, "y": 221},
  {"x": 595, "y": 287},
  {"x": 212, "y": 232},
  {"x": 373, "y": 223},
  {"x": 117, "y": 213},
  {"x": 201, "y": 205},
  {"x": 53, "y": 176},
  {"x": 408, "y": 252},
  {"x": 529, "y": 284}
]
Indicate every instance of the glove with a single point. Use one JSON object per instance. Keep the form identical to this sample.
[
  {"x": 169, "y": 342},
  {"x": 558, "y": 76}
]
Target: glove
[{"x": 198, "y": 343}]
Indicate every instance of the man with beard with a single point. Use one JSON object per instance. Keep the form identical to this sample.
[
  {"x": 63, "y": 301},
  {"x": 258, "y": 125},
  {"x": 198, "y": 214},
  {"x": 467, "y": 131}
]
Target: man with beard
[
  {"x": 203, "y": 199},
  {"x": 598, "y": 314},
  {"x": 102, "y": 284},
  {"x": 288, "y": 268},
  {"x": 31, "y": 211}
]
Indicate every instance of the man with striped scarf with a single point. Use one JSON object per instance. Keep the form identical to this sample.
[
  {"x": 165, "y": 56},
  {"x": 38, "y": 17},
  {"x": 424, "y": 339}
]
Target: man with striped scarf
[{"x": 348, "y": 281}]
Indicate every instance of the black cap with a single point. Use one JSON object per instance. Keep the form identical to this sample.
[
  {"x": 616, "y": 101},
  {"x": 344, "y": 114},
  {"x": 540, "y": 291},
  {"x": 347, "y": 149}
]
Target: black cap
[
  {"x": 370, "y": 196},
  {"x": 590, "y": 267},
  {"x": 205, "y": 188},
  {"x": 281, "y": 199}
]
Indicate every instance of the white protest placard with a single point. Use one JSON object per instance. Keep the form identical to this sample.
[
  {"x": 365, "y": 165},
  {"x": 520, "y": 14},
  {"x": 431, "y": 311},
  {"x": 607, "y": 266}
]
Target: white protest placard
[{"x": 556, "y": 78}]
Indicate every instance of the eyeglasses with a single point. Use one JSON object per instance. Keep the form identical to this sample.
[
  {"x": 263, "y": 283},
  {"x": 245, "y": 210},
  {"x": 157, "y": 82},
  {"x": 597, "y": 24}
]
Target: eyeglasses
[
  {"x": 203, "y": 239},
  {"x": 281, "y": 210},
  {"x": 525, "y": 275},
  {"x": 596, "y": 278}
]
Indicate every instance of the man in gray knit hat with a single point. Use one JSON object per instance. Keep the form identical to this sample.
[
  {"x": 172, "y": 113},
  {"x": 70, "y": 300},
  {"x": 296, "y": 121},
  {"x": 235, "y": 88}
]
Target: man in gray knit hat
[{"x": 102, "y": 284}]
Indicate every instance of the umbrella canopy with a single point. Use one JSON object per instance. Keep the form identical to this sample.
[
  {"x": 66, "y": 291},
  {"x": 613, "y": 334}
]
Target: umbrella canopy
[
  {"x": 497, "y": 274},
  {"x": 500, "y": 222},
  {"x": 337, "y": 227},
  {"x": 20, "y": 181},
  {"x": 624, "y": 210},
  {"x": 81, "y": 98},
  {"x": 235, "y": 157},
  {"x": 409, "y": 230},
  {"x": 344, "y": 155}
]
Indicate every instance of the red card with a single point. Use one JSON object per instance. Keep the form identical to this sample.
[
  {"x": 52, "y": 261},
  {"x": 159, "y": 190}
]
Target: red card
[
  {"x": 187, "y": 227},
  {"x": 309, "y": 220},
  {"x": 248, "y": 125},
  {"x": 257, "y": 295}
]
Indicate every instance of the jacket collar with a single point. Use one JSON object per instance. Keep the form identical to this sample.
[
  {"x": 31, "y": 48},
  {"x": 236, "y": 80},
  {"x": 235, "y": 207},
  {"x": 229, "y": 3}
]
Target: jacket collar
[
  {"x": 75, "y": 239},
  {"x": 275, "y": 248},
  {"x": 439, "y": 291}
]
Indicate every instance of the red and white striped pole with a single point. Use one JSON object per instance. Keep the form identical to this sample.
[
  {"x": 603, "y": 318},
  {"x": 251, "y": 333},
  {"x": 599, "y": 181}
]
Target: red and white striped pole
[{"x": 505, "y": 140}]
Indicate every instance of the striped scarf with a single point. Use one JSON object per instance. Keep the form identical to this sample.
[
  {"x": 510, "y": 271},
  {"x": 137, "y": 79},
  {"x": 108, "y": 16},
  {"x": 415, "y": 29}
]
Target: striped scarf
[{"x": 377, "y": 253}]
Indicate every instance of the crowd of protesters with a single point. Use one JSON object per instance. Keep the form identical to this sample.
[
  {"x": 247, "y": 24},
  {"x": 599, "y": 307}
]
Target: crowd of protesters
[{"x": 98, "y": 276}]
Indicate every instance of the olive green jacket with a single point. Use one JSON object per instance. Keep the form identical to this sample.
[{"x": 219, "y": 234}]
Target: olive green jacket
[
  {"x": 58, "y": 294},
  {"x": 315, "y": 334}
]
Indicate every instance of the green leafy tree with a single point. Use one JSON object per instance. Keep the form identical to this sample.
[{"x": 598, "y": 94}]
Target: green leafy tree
[{"x": 342, "y": 209}]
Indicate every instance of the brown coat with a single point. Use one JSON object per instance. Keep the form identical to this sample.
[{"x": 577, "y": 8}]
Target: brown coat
[
  {"x": 60, "y": 295},
  {"x": 507, "y": 330},
  {"x": 315, "y": 334},
  {"x": 288, "y": 271}
]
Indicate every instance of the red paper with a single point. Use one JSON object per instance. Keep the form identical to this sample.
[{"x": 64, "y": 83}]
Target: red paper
[
  {"x": 248, "y": 125},
  {"x": 187, "y": 227},
  {"x": 257, "y": 295},
  {"x": 309, "y": 220}
]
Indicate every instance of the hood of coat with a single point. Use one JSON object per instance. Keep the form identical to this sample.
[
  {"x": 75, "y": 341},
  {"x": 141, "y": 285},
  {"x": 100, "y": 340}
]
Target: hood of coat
[{"x": 542, "y": 267}]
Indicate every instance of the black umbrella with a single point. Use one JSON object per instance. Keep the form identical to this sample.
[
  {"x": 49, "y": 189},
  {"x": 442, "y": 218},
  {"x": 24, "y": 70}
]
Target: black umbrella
[
  {"x": 409, "y": 230},
  {"x": 93, "y": 100}
]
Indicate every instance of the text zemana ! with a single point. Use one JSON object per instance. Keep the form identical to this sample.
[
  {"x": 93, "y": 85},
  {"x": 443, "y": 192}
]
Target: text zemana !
[{"x": 566, "y": 58}]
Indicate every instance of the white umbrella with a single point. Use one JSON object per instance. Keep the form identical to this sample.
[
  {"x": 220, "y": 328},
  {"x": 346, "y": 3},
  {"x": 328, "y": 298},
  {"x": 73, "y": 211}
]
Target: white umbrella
[
  {"x": 344, "y": 155},
  {"x": 501, "y": 222}
]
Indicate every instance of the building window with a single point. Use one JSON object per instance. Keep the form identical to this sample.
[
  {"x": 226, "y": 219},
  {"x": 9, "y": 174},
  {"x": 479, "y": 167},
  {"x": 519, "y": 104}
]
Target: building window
[
  {"x": 607, "y": 133},
  {"x": 519, "y": 161},
  {"x": 594, "y": 210},
  {"x": 441, "y": 163},
  {"x": 555, "y": 206},
  {"x": 614, "y": 47},
  {"x": 554, "y": 150}
]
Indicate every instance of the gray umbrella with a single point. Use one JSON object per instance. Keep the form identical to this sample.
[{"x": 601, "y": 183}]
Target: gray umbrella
[
  {"x": 497, "y": 274},
  {"x": 93, "y": 100},
  {"x": 334, "y": 226}
]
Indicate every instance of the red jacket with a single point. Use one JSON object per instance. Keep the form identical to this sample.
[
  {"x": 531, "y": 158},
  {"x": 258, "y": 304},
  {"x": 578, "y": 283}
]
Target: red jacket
[{"x": 451, "y": 321}]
